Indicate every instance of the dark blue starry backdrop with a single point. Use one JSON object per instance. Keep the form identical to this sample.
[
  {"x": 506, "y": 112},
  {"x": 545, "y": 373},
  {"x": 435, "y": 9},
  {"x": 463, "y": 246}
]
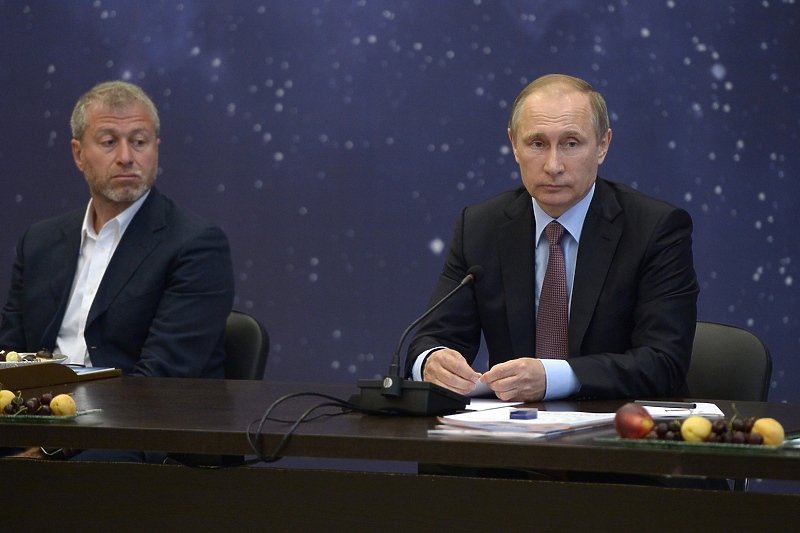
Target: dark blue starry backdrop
[{"x": 335, "y": 141}]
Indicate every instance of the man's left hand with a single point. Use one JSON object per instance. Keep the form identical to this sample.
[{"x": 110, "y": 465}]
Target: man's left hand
[{"x": 518, "y": 380}]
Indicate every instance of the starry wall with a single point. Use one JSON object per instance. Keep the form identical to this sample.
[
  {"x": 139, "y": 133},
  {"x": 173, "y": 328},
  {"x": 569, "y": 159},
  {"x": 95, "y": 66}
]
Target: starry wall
[{"x": 336, "y": 141}]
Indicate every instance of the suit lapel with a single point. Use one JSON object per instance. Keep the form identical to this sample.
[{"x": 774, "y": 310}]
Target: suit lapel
[
  {"x": 64, "y": 262},
  {"x": 599, "y": 239},
  {"x": 515, "y": 248},
  {"x": 136, "y": 244}
]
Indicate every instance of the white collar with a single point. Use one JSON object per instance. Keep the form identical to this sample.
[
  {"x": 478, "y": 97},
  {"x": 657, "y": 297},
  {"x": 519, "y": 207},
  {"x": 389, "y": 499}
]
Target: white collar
[
  {"x": 572, "y": 219},
  {"x": 122, "y": 221}
]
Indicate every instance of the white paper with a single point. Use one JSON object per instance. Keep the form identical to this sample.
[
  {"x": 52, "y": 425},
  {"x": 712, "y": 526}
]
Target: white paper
[
  {"x": 91, "y": 369},
  {"x": 480, "y": 404},
  {"x": 708, "y": 410},
  {"x": 451, "y": 432},
  {"x": 481, "y": 389},
  {"x": 547, "y": 421}
]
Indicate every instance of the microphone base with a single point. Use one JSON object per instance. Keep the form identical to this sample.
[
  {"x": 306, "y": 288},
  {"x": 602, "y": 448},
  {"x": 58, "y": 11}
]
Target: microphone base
[{"x": 417, "y": 398}]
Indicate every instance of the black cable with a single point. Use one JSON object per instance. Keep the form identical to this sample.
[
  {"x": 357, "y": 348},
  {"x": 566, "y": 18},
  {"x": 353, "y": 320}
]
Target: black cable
[
  {"x": 309, "y": 419},
  {"x": 255, "y": 440},
  {"x": 275, "y": 455}
]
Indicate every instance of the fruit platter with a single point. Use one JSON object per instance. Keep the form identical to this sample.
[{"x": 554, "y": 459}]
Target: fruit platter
[
  {"x": 10, "y": 358},
  {"x": 635, "y": 427},
  {"x": 44, "y": 408}
]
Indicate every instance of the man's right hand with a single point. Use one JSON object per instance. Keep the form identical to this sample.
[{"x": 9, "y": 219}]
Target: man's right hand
[{"x": 449, "y": 369}]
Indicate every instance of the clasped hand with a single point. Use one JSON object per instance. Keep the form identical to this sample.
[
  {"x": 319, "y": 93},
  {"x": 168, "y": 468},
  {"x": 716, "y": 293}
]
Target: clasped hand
[{"x": 520, "y": 380}]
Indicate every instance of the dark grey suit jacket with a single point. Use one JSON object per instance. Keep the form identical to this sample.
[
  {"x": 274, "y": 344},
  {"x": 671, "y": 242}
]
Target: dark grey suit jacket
[
  {"x": 161, "y": 307},
  {"x": 634, "y": 297}
]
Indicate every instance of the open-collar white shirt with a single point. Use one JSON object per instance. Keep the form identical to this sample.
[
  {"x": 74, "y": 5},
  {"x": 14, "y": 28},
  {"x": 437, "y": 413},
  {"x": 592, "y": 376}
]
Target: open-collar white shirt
[{"x": 96, "y": 252}]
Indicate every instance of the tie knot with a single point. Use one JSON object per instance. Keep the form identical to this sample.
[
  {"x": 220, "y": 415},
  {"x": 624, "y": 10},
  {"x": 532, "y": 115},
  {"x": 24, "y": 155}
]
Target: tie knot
[{"x": 554, "y": 232}]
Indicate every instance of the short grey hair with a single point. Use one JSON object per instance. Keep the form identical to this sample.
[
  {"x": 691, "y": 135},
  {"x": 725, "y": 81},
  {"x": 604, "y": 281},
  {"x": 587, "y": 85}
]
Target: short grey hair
[
  {"x": 598, "y": 105},
  {"x": 113, "y": 94}
]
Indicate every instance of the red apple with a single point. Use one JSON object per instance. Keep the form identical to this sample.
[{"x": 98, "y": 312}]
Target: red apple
[{"x": 632, "y": 421}]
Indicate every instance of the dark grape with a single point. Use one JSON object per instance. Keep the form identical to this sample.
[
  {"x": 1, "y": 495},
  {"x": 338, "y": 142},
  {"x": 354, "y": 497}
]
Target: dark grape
[
  {"x": 747, "y": 424},
  {"x": 661, "y": 429},
  {"x": 9, "y": 409},
  {"x": 739, "y": 437},
  {"x": 32, "y": 406},
  {"x": 45, "y": 410},
  {"x": 720, "y": 426},
  {"x": 712, "y": 437},
  {"x": 18, "y": 402},
  {"x": 652, "y": 435},
  {"x": 669, "y": 435},
  {"x": 737, "y": 424},
  {"x": 755, "y": 438},
  {"x": 45, "y": 399}
]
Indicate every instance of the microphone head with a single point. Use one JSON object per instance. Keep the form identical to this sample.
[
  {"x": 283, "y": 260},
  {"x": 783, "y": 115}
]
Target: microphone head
[{"x": 476, "y": 271}]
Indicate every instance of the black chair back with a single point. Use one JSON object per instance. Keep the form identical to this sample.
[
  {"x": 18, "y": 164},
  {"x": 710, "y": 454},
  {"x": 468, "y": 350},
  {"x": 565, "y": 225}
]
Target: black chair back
[
  {"x": 246, "y": 347},
  {"x": 728, "y": 363}
]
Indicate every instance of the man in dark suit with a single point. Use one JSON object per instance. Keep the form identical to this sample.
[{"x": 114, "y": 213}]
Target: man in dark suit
[
  {"x": 133, "y": 281},
  {"x": 630, "y": 281}
]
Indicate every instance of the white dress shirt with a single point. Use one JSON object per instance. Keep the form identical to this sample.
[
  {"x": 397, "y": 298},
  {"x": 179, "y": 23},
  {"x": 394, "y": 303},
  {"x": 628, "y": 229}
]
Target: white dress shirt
[
  {"x": 561, "y": 380},
  {"x": 95, "y": 254}
]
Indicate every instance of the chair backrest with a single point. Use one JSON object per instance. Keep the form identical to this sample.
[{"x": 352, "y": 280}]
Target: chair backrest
[
  {"x": 728, "y": 363},
  {"x": 246, "y": 347}
]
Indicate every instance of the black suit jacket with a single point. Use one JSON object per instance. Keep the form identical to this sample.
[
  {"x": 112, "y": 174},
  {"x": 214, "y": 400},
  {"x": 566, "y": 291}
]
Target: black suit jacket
[
  {"x": 634, "y": 297},
  {"x": 161, "y": 307}
]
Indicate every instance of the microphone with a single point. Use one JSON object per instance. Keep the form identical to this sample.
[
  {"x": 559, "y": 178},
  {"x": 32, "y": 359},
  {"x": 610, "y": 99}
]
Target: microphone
[{"x": 396, "y": 395}]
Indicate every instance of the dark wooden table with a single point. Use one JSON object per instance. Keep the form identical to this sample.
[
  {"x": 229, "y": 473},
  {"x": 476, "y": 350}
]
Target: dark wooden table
[{"x": 211, "y": 417}]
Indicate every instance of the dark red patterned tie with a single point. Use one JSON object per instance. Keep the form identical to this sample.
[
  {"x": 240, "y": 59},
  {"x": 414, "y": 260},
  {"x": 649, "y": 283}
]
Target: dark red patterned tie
[{"x": 552, "y": 321}]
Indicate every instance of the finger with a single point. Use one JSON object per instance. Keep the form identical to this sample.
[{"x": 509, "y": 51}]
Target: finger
[
  {"x": 503, "y": 387},
  {"x": 449, "y": 369},
  {"x": 522, "y": 380},
  {"x": 452, "y": 362},
  {"x": 498, "y": 372},
  {"x": 459, "y": 367}
]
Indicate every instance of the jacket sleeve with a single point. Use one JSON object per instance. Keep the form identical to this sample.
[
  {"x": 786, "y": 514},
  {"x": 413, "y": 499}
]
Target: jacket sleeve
[
  {"x": 188, "y": 328},
  {"x": 640, "y": 339}
]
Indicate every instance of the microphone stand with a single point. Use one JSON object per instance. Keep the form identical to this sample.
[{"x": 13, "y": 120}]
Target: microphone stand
[{"x": 396, "y": 395}]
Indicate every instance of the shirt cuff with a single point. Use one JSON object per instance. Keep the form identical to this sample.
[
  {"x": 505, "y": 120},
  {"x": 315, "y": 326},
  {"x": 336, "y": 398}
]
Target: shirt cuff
[
  {"x": 416, "y": 370},
  {"x": 561, "y": 380}
]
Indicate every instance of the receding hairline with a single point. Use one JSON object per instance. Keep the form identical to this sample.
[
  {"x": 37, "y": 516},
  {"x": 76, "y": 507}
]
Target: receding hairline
[
  {"x": 111, "y": 95},
  {"x": 599, "y": 111}
]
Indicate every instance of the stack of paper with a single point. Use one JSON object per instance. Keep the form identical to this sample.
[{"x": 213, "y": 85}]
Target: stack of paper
[{"x": 498, "y": 422}]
